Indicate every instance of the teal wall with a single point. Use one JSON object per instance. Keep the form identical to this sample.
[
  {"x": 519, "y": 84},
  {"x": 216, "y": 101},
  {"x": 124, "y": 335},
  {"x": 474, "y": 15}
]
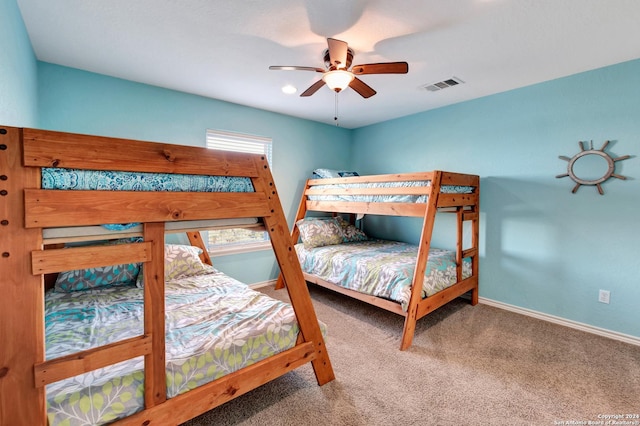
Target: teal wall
[
  {"x": 17, "y": 70},
  {"x": 82, "y": 102},
  {"x": 542, "y": 247}
]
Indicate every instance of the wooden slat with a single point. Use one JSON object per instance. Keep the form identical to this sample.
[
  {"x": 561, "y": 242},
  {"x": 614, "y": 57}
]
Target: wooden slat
[
  {"x": 187, "y": 229},
  {"x": 450, "y": 178},
  {"x": 58, "y": 260},
  {"x": 51, "y": 208},
  {"x": 82, "y": 362},
  {"x": 44, "y": 148},
  {"x": 443, "y": 297},
  {"x": 470, "y": 216},
  {"x": 408, "y": 190},
  {"x": 398, "y": 177},
  {"x": 455, "y": 200},
  {"x": 392, "y": 209},
  {"x": 85, "y": 238},
  {"x": 155, "y": 385},
  {"x": 470, "y": 252},
  {"x": 21, "y": 294},
  {"x": 203, "y": 398},
  {"x": 372, "y": 300}
]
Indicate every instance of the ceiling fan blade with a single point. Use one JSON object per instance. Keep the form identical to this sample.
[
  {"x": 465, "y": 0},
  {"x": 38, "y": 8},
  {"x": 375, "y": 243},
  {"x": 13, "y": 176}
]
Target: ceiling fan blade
[
  {"x": 362, "y": 88},
  {"x": 337, "y": 53},
  {"x": 381, "y": 68},
  {"x": 295, "y": 68},
  {"x": 313, "y": 89}
]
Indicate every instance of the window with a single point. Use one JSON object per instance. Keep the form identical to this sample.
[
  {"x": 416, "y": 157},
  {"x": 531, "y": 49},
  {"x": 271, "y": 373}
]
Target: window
[
  {"x": 238, "y": 142},
  {"x": 237, "y": 240}
]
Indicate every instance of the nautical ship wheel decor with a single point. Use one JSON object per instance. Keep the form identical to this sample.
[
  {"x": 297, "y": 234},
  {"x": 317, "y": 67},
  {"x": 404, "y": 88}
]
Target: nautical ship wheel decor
[{"x": 598, "y": 155}]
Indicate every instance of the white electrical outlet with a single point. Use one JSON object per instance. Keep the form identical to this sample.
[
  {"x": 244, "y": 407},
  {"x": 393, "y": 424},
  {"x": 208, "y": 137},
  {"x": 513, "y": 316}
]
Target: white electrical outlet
[{"x": 603, "y": 296}]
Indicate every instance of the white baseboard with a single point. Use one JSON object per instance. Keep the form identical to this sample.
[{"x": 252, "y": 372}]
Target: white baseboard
[
  {"x": 626, "y": 338},
  {"x": 263, "y": 284},
  {"x": 562, "y": 321}
]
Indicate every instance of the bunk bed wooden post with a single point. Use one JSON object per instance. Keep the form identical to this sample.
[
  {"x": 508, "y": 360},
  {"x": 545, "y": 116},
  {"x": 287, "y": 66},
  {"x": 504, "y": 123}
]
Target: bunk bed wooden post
[
  {"x": 195, "y": 239},
  {"x": 295, "y": 232},
  {"x": 475, "y": 238},
  {"x": 22, "y": 300},
  {"x": 421, "y": 262},
  {"x": 291, "y": 272},
  {"x": 155, "y": 382},
  {"x": 459, "y": 242}
]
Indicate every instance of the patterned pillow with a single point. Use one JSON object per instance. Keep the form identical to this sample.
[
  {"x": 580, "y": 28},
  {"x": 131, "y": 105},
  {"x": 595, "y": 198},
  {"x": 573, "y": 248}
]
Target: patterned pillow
[
  {"x": 319, "y": 232},
  {"x": 330, "y": 173},
  {"x": 102, "y": 276},
  {"x": 179, "y": 261},
  {"x": 349, "y": 232},
  {"x": 182, "y": 261}
]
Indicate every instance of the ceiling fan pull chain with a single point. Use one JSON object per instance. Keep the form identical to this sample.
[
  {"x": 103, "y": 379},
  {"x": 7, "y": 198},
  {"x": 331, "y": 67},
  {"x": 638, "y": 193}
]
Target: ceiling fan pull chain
[{"x": 335, "y": 117}]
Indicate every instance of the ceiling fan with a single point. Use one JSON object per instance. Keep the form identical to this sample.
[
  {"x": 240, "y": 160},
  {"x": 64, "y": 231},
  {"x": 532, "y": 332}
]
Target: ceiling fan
[{"x": 338, "y": 76}]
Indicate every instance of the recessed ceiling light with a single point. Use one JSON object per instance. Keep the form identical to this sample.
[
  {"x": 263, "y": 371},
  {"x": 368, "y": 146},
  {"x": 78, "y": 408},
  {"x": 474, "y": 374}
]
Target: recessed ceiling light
[{"x": 289, "y": 89}]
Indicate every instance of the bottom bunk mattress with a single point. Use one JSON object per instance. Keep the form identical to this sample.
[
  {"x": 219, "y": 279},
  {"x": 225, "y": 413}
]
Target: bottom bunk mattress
[
  {"x": 214, "y": 325},
  {"x": 381, "y": 268}
]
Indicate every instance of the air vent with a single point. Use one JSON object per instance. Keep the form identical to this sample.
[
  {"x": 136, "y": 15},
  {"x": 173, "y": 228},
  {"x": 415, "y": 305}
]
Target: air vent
[{"x": 434, "y": 87}]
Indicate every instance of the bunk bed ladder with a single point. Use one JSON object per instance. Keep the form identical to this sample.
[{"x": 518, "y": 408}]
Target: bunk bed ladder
[
  {"x": 151, "y": 344},
  {"x": 463, "y": 216},
  {"x": 421, "y": 263},
  {"x": 291, "y": 272},
  {"x": 474, "y": 251},
  {"x": 295, "y": 232},
  {"x": 459, "y": 242}
]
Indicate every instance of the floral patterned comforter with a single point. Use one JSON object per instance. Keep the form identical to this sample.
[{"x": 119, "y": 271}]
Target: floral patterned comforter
[
  {"x": 214, "y": 325},
  {"x": 381, "y": 268}
]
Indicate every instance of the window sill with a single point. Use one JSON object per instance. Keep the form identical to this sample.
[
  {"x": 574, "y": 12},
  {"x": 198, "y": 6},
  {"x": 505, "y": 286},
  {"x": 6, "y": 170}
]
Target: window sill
[{"x": 244, "y": 248}]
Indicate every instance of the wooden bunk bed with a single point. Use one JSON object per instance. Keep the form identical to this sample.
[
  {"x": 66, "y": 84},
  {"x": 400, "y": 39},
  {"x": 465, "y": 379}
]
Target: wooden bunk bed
[
  {"x": 27, "y": 259},
  {"x": 410, "y": 194}
]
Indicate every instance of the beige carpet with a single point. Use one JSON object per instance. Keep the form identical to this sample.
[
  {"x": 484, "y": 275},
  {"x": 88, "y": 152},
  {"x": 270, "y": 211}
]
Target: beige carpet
[{"x": 469, "y": 365}]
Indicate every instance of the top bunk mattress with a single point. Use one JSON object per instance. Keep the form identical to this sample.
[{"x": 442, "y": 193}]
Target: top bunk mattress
[
  {"x": 395, "y": 198},
  {"x": 100, "y": 180},
  {"x": 75, "y": 179}
]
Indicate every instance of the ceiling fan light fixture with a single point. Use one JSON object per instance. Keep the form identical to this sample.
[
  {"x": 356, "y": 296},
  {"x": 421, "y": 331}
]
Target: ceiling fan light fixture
[
  {"x": 338, "y": 73},
  {"x": 338, "y": 80}
]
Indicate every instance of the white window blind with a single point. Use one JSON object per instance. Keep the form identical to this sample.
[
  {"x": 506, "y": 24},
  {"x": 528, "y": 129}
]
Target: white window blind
[{"x": 238, "y": 142}]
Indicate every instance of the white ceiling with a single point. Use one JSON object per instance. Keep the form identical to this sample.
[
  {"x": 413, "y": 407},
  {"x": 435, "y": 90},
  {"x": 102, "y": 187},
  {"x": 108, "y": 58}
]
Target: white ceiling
[{"x": 222, "y": 49}]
